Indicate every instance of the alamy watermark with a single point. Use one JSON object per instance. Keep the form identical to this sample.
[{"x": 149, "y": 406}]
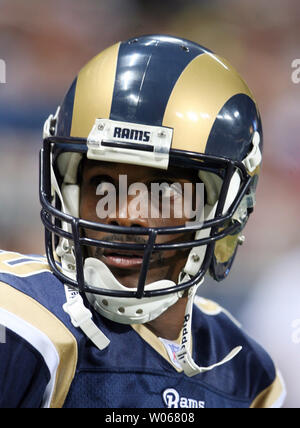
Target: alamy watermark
[
  {"x": 295, "y": 76},
  {"x": 296, "y": 331},
  {"x": 2, "y": 71},
  {"x": 158, "y": 200}
]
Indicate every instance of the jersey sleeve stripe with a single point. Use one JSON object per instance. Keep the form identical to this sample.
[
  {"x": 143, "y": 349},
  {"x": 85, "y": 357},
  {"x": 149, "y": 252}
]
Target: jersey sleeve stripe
[
  {"x": 271, "y": 397},
  {"x": 40, "y": 342},
  {"x": 20, "y": 266},
  {"x": 28, "y": 318}
]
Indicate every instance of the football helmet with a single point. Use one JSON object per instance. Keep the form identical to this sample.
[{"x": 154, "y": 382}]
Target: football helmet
[{"x": 181, "y": 105}]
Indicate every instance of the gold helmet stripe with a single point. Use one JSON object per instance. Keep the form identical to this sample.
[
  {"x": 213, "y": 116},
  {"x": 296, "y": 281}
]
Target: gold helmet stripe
[
  {"x": 94, "y": 91},
  {"x": 192, "y": 112}
]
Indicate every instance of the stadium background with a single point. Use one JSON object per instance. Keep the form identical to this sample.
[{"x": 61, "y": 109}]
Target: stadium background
[{"x": 45, "y": 43}]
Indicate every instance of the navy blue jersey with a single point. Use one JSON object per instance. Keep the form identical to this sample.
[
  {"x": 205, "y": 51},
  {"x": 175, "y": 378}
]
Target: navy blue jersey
[{"x": 46, "y": 362}]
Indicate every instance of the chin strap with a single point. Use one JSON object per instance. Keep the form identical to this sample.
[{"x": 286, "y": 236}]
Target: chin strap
[
  {"x": 183, "y": 356},
  {"x": 81, "y": 317}
]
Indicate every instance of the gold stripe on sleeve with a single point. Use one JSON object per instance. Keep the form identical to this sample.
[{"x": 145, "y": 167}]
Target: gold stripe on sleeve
[
  {"x": 42, "y": 319},
  {"x": 271, "y": 397}
]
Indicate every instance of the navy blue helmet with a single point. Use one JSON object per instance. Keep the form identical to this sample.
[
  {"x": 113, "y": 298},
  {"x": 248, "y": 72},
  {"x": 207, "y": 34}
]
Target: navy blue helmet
[{"x": 161, "y": 102}]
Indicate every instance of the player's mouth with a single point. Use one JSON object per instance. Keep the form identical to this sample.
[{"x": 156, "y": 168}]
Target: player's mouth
[{"x": 122, "y": 259}]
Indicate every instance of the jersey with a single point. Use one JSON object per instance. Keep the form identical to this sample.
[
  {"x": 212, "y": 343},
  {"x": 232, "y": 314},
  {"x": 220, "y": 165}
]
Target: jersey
[{"x": 46, "y": 362}]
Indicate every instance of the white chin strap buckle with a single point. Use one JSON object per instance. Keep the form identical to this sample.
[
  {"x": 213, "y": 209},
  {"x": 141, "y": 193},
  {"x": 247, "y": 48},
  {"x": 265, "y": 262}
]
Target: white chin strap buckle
[{"x": 81, "y": 317}]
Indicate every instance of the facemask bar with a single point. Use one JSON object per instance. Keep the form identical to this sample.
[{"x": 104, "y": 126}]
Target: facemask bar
[{"x": 76, "y": 224}]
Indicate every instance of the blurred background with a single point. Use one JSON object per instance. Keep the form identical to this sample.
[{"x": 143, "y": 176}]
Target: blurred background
[{"x": 45, "y": 43}]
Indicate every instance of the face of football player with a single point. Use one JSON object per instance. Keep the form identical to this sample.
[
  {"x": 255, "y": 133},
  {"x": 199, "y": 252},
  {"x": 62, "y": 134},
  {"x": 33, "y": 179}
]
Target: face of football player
[{"x": 127, "y": 195}]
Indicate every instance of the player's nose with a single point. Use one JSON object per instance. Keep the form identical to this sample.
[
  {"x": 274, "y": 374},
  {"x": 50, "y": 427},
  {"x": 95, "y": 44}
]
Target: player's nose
[{"x": 127, "y": 214}]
